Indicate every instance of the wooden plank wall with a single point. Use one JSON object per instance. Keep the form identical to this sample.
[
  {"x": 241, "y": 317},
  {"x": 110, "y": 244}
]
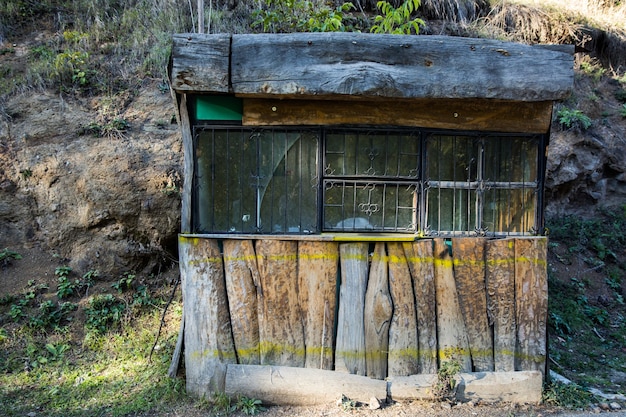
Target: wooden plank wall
[{"x": 381, "y": 310}]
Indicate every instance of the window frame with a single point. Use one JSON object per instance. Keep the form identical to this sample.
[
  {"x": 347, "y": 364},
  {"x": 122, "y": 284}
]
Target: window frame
[{"x": 421, "y": 182}]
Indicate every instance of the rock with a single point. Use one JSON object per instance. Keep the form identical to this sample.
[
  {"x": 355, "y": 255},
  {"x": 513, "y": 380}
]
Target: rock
[
  {"x": 604, "y": 406},
  {"x": 615, "y": 406},
  {"x": 374, "y": 403}
]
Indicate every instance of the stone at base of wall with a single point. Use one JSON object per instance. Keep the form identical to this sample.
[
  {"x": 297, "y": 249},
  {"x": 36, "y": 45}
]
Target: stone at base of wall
[{"x": 283, "y": 385}]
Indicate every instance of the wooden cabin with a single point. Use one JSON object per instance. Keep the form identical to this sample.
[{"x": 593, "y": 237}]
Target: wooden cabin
[{"x": 359, "y": 209}]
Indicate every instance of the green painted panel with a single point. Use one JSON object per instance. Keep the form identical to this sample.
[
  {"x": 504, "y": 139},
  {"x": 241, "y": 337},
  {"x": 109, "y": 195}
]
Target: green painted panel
[{"x": 219, "y": 108}]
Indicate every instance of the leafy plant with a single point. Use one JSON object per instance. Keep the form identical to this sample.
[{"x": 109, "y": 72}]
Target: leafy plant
[
  {"x": 300, "y": 16},
  {"x": 7, "y": 255},
  {"x": 250, "y": 406},
  {"x": 571, "y": 396},
  {"x": 573, "y": 119},
  {"x": 397, "y": 20},
  {"x": 52, "y": 315},
  {"x": 622, "y": 111},
  {"x": 124, "y": 283},
  {"x": 103, "y": 311},
  {"x": 444, "y": 387}
]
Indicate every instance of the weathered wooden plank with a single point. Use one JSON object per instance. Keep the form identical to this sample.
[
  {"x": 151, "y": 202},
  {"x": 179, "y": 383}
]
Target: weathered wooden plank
[
  {"x": 500, "y": 277},
  {"x": 208, "y": 339},
  {"x": 281, "y": 385},
  {"x": 242, "y": 277},
  {"x": 472, "y": 114},
  {"x": 531, "y": 303},
  {"x": 350, "y": 346},
  {"x": 358, "y": 64},
  {"x": 188, "y": 166},
  {"x": 451, "y": 334},
  {"x": 403, "y": 354},
  {"x": 317, "y": 288},
  {"x": 200, "y": 63},
  {"x": 420, "y": 259},
  {"x": 378, "y": 313},
  {"x": 469, "y": 273},
  {"x": 281, "y": 332}
]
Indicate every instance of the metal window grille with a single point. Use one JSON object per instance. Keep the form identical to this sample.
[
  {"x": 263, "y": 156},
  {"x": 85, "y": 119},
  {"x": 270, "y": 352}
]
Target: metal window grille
[{"x": 302, "y": 181}]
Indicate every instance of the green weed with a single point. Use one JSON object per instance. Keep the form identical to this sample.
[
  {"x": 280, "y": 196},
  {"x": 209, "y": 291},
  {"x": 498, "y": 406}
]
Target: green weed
[
  {"x": 573, "y": 119},
  {"x": 249, "y": 406},
  {"x": 570, "y": 396},
  {"x": 103, "y": 313},
  {"x": 622, "y": 111},
  {"x": 444, "y": 388},
  {"x": 6, "y": 256}
]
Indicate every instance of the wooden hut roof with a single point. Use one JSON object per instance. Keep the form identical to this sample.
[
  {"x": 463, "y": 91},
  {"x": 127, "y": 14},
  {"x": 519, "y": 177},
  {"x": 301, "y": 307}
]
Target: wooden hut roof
[{"x": 357, "y": 65}]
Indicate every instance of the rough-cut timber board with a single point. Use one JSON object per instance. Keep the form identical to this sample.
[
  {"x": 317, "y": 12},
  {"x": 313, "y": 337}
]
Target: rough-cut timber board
[
  {"x": 280, "y": 326},
  {"x": 451, "y": 334},
  {"x": 208, "y": 340},
  {"x": 378, "y": 312},
  {"x": 420, "y": 259},
  {"x": 188, "y": 164},
  {"x": 281, "y": 385},
  {"x": 317, "y": 288},
  {"x": 403, "y": 354},
  {"x": 357, "y": 64},
  {"x": 469, "y": 273},
  {"x": 500, "y": 277},
  {"x": 350, "y": 349},
  {"x": 472, "y": 114},
  {"x": 242, "y": 277},
  {"x": 511, "y": 387},
  {"x": 202, "y": 63},
  {"x": 531, "y": 298}
]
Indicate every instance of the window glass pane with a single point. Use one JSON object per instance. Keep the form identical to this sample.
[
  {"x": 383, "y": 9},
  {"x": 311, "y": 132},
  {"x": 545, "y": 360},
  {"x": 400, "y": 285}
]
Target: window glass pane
[
  {"x": 451, "y": 210},
  {"x": 452, "y": 158},
  {"x": 352, "y": 206},
  {"x": 509, "y": 210},
  {"x": 289, "y": 194},
  {"x": 372, "y": 154},
  {"x": 511, "y": 159},
  {"x": 225, "y": 199}
]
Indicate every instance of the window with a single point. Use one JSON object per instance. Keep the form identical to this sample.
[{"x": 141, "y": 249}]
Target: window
[{"x": 308, "y": 181}]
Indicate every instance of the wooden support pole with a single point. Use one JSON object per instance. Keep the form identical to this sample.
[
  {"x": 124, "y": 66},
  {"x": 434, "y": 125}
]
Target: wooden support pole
[
  {"x": 531, "y": 303},
  {"x": 469, "y": 274},
  {"x": 451, "y": 334},
  {"x": 378, "y": 312},
  {"x": 500, "y": 277},
  {"x": 317, "y": 288},
  {"x": 281, "y": 332},
  {"x": 242, "y": 278},
  {"x": 208, "y": 340},
  {"x": 403, "y": 354},
  {"x": 419, "y": 256},
  {"x": 350, "y": 350}
]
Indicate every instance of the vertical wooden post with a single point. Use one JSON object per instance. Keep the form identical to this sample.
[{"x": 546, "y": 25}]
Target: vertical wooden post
[
  {"x": 280, "y": 326},
  {"x": 317, "y": 288},
  {"x": 420, "y": 259},
  {"x": 451, "y": 334},
  {"x": 350, "y": 350},
  {"x": 200, "y": 16},
  {"x": 242, "y": 277},
  {"x": 208, "y": 337},
  {"x": 378, "y": 312},
  {"x": 531, "y": 303},
  {"x": 469, "y": 273},
  {"x": 188, "y": 165},
  {"x": 500, "y": 277},
  {"x": 403, "y": 355}
]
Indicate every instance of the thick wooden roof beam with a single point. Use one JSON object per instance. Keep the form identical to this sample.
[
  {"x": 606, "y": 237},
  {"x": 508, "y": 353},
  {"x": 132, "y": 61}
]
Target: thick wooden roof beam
[{"x": 353, "y": 65}]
